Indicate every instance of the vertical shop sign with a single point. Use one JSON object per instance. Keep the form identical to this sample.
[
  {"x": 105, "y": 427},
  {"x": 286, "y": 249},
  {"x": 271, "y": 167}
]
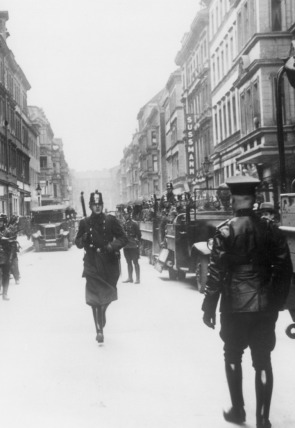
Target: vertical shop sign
[{"x": 190, "y": 144}]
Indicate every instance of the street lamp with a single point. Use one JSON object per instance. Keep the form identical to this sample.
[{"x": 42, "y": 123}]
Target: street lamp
[
  {"x": 206, "y": 170},
  {"x": 39, "y": 190},
  {"x": 289, "y": 69}
]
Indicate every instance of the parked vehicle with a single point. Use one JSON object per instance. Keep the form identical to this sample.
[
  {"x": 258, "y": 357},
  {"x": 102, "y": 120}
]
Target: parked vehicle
[
  {"x": 150, "y": 239},
  {"x": 53, "y": 227},
  {"x": 186, "y": 248},
  {"x": 287, "y": 204}
]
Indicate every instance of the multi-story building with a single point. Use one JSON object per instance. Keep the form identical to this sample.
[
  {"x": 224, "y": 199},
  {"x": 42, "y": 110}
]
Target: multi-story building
[
  {"x": 54, "y": 178},
  {"x": 17, "y": 134},
  {"x": 173, "y": 148},
  {"x": 131, "y": 156},
  {"x": 248, "y": 41},
  {"x": 149, "y": 142},
  {"x": 193, "y": 58},
  {"x": 122, "y": 181}
]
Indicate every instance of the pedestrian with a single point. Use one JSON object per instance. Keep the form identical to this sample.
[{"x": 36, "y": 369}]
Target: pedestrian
[
  {"x": 102, "y": 237},
  {"x": 5, "y": 257},
  {"x": 267, "y": 210},
  {"x": 250, "y": 268},
  {"x": 131, "y": 250}
]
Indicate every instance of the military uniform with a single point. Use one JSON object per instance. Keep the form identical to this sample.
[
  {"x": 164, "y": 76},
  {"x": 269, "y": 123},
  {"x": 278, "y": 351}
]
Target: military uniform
[
  {"x": 5, "y": 256},
  {"x": 250, "y": 268},
  {"x": 131, "y": 250},
  {"x": 12, "y": 230},
  {"x": 102, "y": 237}
]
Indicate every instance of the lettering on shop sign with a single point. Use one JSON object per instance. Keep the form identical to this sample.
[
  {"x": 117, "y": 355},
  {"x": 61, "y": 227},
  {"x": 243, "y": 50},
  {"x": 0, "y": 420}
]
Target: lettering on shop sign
[{"x": 190, "y": 144}]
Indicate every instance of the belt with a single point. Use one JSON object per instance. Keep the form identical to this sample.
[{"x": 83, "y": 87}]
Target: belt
[{"x": 244, "y": 268}]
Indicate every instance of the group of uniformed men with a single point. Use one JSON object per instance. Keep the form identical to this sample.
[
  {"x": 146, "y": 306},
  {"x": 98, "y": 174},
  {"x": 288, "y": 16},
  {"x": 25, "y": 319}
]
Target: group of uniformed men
[{"x": 250, "y": 271}]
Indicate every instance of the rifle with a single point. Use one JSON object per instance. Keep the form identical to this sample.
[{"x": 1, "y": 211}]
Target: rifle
[{"x": 83, "y": 204}]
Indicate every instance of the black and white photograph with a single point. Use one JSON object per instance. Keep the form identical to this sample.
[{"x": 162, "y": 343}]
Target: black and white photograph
[{"x": 147, "y": 213}]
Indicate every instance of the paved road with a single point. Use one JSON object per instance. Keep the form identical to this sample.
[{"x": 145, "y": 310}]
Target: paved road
[{"x": 160, "y": 367}]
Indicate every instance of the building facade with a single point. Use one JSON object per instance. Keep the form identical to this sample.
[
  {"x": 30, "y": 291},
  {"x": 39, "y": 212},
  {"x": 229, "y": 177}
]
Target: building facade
[
  {"x": 54, "y": 181},
  {"x": 248, "y": 41},
  {"x": 173, "y": 153},
  {"x": 193, "y": 58},
  {"x": 229, "y": 61},
  {"x": 17, "y": 134}
]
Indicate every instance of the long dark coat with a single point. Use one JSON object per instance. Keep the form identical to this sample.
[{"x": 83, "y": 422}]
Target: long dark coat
[
  {"x": 102, "y": 237},
  {"x": 250, "y": 266}
]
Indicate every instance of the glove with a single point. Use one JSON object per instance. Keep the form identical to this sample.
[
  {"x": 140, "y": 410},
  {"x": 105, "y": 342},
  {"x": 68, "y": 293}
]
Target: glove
[{"x": 209, "y": 319}]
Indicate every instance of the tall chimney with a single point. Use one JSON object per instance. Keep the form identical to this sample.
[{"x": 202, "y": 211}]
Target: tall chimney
[{"x": 3, "y": 18}]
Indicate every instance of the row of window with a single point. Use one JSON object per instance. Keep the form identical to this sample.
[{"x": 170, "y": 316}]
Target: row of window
[
  {"x": 247, "y": 10},
  {"x": 225, "y": 119},
  {"x": 201, "y": 100},
  {"x": 222, "y": 58},
  {"x": 13, "y": 86},
  {"x": 18, "y": 163},
  {"x": 197, "y": 60},
  {"x": 15, "y": 125},
  {"x": 218, "y": 11}
]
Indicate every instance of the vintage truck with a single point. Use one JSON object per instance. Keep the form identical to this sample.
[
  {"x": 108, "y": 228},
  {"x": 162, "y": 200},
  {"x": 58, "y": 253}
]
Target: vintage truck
[
  {"x": 186, "y": 249},
  {"x": 53, "y": 227},
  {"x": 150, "y": 239},
  {"x": 287, "y": 204}
]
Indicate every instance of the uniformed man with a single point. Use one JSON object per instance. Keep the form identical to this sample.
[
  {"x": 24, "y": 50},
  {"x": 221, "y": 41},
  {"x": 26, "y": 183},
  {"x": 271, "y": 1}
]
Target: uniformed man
[
  {"x": 267, "y": 210},
  {"x": 13, "y": 229},
  {"x": 250, "y": 268},
  {"x": 5, "y": 257},
  {"x": 131, "y": 250},
  {"x": 102, "y": 237},
  {"x": 168, "y": 199}
]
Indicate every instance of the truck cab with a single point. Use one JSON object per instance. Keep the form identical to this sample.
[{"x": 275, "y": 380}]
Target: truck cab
[{"x": 53, "y": 227}]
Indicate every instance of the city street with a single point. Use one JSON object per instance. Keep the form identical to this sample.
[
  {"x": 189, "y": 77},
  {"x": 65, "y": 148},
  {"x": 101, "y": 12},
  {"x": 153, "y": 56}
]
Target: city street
[{"x": 160, "y": 366}]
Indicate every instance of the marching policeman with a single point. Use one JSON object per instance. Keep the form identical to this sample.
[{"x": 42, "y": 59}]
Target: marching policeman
[
  {"x": 250, "y": 268},
  {"x": 131, "y": 250},
  {"x": 102, "y": 237}
]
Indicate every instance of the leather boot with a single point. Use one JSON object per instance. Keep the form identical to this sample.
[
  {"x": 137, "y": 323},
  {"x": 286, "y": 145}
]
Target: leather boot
[
  {"x": 263, "y": 388},
  {"x": 103, "y": 315},
  {"x": 236, "y": 413},
  {"x": 137, "y": 272},
  {"x": 96, "y": 310}
]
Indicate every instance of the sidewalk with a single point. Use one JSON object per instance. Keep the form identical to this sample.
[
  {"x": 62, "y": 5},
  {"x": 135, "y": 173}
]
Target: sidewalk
[{"x": 25, "y": 244}]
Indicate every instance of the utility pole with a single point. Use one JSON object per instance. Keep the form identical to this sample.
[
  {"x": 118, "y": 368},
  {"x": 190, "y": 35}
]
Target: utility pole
[
  {"x": 7, "y": 166},
  {"x": 289, "y": 69}
]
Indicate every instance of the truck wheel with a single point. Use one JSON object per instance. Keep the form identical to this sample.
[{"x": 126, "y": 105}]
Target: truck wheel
[
  {"x": 172, "y": 274},
  {"x": 201, "y": 272},
  {"x": 66, "y": 244},
  {"x": 37, "y": 245}
]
